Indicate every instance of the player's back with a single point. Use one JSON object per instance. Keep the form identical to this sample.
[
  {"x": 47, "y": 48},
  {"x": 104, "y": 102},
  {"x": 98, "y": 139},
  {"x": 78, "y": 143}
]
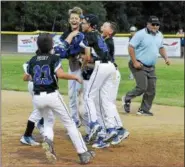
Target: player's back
[
  {"x": 42, "y": 68},
  {"x": 98, "y": 44}
]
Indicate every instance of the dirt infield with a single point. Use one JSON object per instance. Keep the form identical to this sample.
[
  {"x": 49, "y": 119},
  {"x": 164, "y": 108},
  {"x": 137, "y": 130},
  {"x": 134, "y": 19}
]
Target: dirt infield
[{"x": 154, "y": 141}]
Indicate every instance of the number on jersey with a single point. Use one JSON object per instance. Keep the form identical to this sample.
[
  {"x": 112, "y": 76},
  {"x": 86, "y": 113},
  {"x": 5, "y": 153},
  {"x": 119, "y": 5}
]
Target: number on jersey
[{"x": 42, "y": 75}]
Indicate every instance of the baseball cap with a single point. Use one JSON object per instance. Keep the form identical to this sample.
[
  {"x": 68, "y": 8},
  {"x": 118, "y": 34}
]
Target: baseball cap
[
  {"x": 133, "y": 29},
  {"x": 82, "y": 16},
  {"x": 153, "y": 19},
  {"x": 92, "y": 19}
]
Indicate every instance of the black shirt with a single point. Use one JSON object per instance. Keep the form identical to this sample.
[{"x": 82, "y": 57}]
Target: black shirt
[
  {"x": 110, "y": 44},
  {"x": 42, "y": 69},
  {"x": 95, "y": 41}
]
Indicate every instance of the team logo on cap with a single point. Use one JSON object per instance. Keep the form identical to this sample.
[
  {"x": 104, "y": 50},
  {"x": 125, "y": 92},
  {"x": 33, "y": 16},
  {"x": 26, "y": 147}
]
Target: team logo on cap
[{"x": 155, "y": 19}]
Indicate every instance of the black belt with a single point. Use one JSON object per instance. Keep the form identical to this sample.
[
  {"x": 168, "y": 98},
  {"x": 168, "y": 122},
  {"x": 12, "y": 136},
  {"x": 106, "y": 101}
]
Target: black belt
[
  {"x": 145, "y": 65},
  {"x": 103, "y": 61},
  {"x": 38, "y": 92}
]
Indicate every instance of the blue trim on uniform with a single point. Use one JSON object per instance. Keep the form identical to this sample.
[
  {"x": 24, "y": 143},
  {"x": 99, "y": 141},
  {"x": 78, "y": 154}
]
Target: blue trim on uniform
[
  {"x": 116, "y": 121},
  {"x": 89, "y": 112},
  {"x": 64, "y": 106},
  {"x": 89, "y": 93}
]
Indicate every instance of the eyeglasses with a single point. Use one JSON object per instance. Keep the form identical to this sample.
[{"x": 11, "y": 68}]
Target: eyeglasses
[{"x": 155, "y": 24}]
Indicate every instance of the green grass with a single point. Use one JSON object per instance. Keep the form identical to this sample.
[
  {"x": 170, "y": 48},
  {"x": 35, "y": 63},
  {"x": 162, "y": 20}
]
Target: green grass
[{"x": 170, "y": 83}]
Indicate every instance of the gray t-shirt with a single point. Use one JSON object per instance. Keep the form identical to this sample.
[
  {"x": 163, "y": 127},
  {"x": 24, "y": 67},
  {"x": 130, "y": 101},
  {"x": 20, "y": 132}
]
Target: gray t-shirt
[{"x": 74, "y": 63}]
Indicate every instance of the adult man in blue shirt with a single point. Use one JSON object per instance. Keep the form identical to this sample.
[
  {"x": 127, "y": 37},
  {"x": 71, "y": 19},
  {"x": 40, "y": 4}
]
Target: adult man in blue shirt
[{"x": 143, "y": 49}]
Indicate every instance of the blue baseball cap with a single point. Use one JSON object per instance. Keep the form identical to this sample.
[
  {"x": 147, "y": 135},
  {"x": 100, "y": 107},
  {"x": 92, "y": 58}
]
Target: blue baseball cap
[
  {"x": 154, "y": 20},
  {"x": 92, "y": 19}
]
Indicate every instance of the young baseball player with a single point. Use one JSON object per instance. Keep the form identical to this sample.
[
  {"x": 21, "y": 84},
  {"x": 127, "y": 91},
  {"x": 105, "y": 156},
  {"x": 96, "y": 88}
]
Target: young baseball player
[
  {"x": 45, "y": 69},
  {"x": 99, "y": 141},
  {"x": 108, "y": 31},
  {"x": 101, "y": 79},
  {"x": 34, "y": 120},
  {"x": 74, "y": 88}
]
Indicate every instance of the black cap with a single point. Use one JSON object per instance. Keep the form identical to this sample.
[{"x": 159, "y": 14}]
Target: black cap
[
  {"x": 92, "y": 19},
  {"x": 153, "y": 19}
]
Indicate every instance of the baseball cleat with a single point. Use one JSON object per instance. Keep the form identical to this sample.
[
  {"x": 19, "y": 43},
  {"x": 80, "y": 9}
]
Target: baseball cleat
[
  {"x": 95, "y": 128},
  {"x": 86, "y": 157},
  {"x": 122, "y": 135},
  {"x": 86, "y": 139},
  {"x": 111, "y": 133},
  {"x": 100, "y": 143},
  {"x": 29, "y": 141},
  {"x": 78, "y": 124},
  {"x": 47, "y": 145}
]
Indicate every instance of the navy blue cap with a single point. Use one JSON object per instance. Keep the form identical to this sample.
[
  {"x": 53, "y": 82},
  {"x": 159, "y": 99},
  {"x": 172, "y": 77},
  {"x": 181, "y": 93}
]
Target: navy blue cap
[
  {"x": 153, "y": 19},
  {"x": 92, "y": 19}
]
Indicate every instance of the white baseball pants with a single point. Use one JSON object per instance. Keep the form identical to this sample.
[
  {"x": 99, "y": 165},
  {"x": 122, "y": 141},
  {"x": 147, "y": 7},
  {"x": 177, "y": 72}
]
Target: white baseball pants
[
  {"x": 35, "y": 115},
  {"x": 118, "y": 122},
  {"x": 75, "y": 95},
  {"x": 101, "y": 81},
  {"x": 53, "y": 102}
]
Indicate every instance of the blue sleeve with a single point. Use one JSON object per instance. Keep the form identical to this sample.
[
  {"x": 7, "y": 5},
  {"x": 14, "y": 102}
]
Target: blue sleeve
[
  {"x": 75, "y": 47},
  {"x": 77, "y": 39},
  {"x": 136, "y": 39},
  {"x": 61, "y": 49}
]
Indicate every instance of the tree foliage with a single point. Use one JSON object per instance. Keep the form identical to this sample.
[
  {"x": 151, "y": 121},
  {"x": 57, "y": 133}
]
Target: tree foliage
[{"x": 53, "y": 15}]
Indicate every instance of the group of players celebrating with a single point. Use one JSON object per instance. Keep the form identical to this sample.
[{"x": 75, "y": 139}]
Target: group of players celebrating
[{"x": 92, "y": 87}]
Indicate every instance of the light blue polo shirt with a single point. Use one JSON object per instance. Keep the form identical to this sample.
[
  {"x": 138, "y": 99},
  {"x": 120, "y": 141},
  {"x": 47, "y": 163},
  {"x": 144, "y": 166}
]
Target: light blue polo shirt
[{"x": 146, "y": 46}]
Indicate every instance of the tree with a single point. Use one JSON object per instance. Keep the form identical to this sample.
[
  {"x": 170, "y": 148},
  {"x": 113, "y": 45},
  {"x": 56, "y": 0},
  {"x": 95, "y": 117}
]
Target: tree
[{"x": 53, "y": 15}]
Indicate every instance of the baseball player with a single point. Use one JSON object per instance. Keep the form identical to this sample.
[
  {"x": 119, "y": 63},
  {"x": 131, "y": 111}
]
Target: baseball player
[
  {"x": 74, "y": 88},
  {"x": 34, "y": 120},
  {"x": 100, "y": 80},
  {"x": 108, "y": 29},
  {"x": 45, "y": 69},
  {"x": 99, "y": 143}
]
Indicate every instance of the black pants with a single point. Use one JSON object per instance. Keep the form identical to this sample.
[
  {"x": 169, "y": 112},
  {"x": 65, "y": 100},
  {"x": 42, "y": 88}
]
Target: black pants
[{"x": 145, "y": 84}]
